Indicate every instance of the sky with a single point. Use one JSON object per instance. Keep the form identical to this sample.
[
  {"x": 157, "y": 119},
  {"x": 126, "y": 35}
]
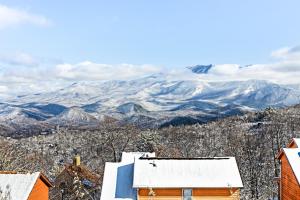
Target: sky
[{"x": 46, "y": 44}]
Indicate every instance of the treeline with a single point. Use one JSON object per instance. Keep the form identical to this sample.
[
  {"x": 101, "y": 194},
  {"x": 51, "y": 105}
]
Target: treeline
[{"x": 254, "y": 139}]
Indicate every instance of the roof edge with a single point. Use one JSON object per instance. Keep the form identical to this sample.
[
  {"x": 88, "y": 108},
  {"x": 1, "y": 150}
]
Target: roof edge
[
  {"x": 279, "y": 154},
  {"x": 44, "y": 178}
]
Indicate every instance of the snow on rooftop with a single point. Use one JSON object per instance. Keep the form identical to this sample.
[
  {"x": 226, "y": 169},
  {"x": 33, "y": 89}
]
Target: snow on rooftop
[
  {"x": 129, "y": 157},
  {"x": 293, "y": 156},
  {"x": 19, "y": 185},
  {"x": 118, "y": 178},
  {"x": 187, "y": 173}
]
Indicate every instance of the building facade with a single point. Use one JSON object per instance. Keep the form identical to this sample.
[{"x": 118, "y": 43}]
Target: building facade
[
  {"x": 16, "y": 186},
  {"x": 142, "y": 176},
  {"x": 290, "y": 171},
  {"x": 76, "y": 178}
]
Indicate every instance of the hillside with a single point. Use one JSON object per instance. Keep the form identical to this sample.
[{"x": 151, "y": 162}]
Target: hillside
[
  {"x": 161, "y": 100},
  {"x": 254, "y": 139}
]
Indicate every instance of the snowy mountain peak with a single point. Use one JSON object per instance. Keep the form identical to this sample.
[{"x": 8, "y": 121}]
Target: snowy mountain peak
[{"x": 200, "y": 69}]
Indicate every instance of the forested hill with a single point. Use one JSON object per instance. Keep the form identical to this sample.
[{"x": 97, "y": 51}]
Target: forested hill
[
  {"x": 148, "y": 102},
  {"x": 254, "y": 139}
]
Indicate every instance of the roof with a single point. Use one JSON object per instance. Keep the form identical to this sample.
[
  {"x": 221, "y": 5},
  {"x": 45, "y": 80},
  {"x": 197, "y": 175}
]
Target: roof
[
  {"x": 83, "y": 172},
  {"x": 20, "y": 185},
  {"x": 118, "y": 178},
  {"x": 187, "y": 173},
  {"x": 293, "y": 156},
  {"x": 295, "y": 141},
  {"x": 46, "y": 180}
]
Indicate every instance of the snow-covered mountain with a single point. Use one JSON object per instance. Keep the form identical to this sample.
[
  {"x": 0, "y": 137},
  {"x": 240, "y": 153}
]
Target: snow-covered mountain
[
  {"x": 131, "y": 108},
  {"x": 200, "y": 69},
  {"x": 153, "y": 99},
  {"x": 73, "y": 116}
]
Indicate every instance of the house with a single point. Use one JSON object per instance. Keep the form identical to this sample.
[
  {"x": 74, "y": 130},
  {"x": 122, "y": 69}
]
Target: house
[
  {"x": 290, "y": 171},
  {"x": 142, "y": 176},
  {"x": 118, "y": 177},
  {"x": 16, "y": 186},
  {"x": 76, "y": 177}
]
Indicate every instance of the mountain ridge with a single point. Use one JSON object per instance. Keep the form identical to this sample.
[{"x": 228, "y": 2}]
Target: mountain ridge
[{"x": 154, "y": 98}]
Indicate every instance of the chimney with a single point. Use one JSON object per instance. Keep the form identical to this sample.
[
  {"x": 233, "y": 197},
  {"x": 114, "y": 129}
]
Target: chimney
[{"x": 76, "y": 160}]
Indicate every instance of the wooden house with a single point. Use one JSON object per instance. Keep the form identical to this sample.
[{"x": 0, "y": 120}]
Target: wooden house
[
  {"x": 16, "y": 186},
  {"x": 147, "y": 177},
  {"x": 66, "y": 186},
  {"x": 290, "y": 171}
]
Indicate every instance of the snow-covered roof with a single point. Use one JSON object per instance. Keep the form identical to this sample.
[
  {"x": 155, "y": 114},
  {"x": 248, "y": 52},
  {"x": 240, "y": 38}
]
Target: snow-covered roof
[
  {"x": 187, "y": 173},
  {"x": 118, "y": 178},
  {"x": 293, "y": 156},
  {"x": 19, "y": 185}
]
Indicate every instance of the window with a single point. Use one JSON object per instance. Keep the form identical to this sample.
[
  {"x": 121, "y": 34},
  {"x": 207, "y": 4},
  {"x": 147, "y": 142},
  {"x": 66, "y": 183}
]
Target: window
[{"x": 187, "y": 194}]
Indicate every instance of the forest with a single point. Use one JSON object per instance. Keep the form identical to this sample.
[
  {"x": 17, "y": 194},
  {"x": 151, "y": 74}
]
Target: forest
[{"x": 254, "y": 139}]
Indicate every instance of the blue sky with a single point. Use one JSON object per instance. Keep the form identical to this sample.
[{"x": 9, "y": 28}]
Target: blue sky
[
  {"x": 65, "y": 39},
  {"x": 168, "y": 33}
]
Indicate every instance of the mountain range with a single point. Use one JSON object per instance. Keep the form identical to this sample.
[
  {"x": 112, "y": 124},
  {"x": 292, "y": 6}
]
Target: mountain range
[{"x": 151, "y": 101}]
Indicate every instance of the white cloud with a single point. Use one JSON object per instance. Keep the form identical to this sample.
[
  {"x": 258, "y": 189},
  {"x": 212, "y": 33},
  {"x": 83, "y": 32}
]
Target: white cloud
[
  {"x": 225, "y": 69},
  {"x": 93, "y": 71},
  {"x": 287, "y": 53},
  {"x": 3, "y": 89},
  {"x": 20, "y": 80},
  {"x": 285, "y": 70},
  {"x": 12, "y": 17},
  {"x": 45, "y": 77},
  {"x": 19, "y": 58}
]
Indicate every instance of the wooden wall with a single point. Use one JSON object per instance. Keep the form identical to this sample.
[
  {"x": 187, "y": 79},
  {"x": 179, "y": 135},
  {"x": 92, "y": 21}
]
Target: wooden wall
[
  {"x": 290, "y": 189},
  {"x": 198, "y": 194},
  {"x": 40, "y": 191}
]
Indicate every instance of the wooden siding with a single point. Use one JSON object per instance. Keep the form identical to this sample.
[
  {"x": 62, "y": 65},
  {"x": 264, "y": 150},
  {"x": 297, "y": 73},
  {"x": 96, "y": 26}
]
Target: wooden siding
[
  {"x": 214, "y": 192},
  {"x": 198, "y": 194},
  {"x": 40, "y": 191},
  {"x": 162, "y": 192},
  {"x": 160, "y": 198},
  {"x": 290, "y": 189}
]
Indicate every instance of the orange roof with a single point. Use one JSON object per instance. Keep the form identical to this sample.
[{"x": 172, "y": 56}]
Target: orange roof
[{"x": 295, "y": 141}]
